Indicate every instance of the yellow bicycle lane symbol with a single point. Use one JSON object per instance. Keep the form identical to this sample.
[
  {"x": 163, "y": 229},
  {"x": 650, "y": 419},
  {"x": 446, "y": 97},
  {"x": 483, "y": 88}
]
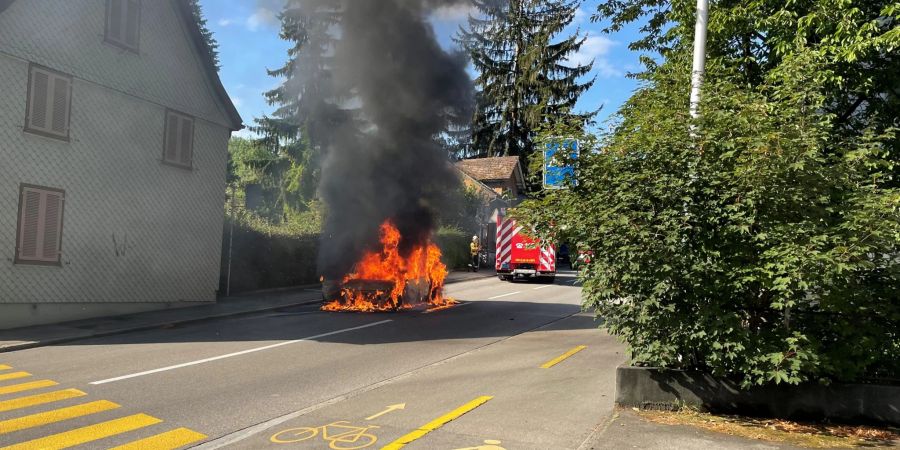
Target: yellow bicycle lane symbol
[{"x": 341, "y": 435}]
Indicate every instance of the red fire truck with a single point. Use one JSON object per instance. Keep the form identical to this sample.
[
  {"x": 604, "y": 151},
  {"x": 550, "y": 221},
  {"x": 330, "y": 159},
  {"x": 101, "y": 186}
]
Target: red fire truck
[{"x": 521, "y": 256}]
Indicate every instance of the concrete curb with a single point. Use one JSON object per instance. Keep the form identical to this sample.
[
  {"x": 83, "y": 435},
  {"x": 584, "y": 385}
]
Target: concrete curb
[
  {"x": 202, "y": 318},
  {"x": 656, "y": 388}
]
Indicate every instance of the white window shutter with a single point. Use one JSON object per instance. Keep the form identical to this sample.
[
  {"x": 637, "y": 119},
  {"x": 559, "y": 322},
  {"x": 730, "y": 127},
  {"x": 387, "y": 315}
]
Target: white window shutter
[
  {"x": 40, "y": 90},
  {"x": 60, "y": 105},
  {"x": 52, "y": 226},
  {"x": 30, "y": 225},
  {"x": 186, "y": 141}
]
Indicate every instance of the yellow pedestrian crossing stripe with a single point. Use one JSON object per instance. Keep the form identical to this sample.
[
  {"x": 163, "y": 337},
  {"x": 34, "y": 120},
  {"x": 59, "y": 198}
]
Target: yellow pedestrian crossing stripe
[
  {"x": 13, "y": 375},
  {"x": 165, "y": 440},
  {"x": 12, "y": 389},
  {"x": 87, "y": 434},
  {"x": 39, "y": 399},
  {"x": 57, "y": 415}
]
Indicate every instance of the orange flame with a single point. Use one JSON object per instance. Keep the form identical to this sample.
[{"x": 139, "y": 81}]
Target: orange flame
[{"x": 421, "y": 273}]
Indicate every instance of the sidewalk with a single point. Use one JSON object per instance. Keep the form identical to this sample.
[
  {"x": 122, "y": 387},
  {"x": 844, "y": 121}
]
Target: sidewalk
[
  {"x": 626, "y": 429},
  {"x": 247, "y": 303}
]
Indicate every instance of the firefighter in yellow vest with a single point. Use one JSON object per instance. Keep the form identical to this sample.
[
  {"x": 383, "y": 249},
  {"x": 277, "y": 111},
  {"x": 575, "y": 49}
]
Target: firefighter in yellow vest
[{"x": 474, "y": 250}]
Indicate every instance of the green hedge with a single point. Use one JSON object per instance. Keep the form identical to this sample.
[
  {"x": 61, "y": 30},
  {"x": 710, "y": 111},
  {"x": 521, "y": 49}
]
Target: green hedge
[
  {"x": 454, "y": 245},
  {"x": 265, "y": 261}
]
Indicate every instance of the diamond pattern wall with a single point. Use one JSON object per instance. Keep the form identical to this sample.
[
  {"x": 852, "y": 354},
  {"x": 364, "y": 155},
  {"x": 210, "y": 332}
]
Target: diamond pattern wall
[{"x": 135, "y": 229}]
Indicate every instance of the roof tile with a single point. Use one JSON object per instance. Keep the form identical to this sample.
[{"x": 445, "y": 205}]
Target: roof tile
[{"x": 490, "y": 169}]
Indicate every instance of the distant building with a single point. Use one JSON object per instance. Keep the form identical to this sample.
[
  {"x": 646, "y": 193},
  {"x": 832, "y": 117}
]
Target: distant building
[
  {"x": 501, "y": 183},
  {"x": 502, "y": 174},
  {"x": 114, "y": 128}
]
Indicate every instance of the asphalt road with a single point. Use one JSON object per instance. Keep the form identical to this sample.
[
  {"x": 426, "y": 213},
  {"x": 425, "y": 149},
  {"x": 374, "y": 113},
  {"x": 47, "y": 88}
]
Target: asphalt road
[{"x": 466, "y": 377}]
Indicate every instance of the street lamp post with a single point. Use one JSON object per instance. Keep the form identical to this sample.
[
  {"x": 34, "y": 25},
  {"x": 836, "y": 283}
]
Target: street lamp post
[{"x": 699, "y": 55}]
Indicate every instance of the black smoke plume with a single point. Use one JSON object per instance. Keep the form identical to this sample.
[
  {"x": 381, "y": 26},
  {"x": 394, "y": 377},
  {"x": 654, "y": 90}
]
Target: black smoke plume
[{"x": 386, "y": 163}]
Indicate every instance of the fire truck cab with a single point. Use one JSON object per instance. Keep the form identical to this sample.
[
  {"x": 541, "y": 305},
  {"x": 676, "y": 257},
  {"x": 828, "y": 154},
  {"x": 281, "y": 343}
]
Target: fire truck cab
[{"x": 520, "y": 255}]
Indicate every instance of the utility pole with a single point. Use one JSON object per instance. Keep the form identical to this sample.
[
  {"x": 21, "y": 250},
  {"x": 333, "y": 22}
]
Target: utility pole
[{"x": 699, "y": 55}]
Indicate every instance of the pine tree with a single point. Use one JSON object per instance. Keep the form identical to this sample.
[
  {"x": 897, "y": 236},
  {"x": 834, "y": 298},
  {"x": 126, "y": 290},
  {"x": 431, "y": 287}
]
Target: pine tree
[
  {"x": 306, "y": 102},
  {"x": 524, "y": 80},
  {"x": 212, "y": 47}
]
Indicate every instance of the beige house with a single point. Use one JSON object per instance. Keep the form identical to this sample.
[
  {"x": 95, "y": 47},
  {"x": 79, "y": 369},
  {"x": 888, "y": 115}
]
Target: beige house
[{"x": 114, "y": 129}]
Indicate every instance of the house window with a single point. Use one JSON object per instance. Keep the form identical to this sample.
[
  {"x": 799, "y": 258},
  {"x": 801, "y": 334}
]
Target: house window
[
  {"x": 39, "y": 237},
  {"x": 49, "y": 102},
  {"x": 123, "y": 23},
  {"x": 179, "y": 139}
]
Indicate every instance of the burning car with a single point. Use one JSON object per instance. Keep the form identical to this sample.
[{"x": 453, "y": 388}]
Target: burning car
[
  {"x": 385, "y": 280},
  {"x": 374, "y": 295}
]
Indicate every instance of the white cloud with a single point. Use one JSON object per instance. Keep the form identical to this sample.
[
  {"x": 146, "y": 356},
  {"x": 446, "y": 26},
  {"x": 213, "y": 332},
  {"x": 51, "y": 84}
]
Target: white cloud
[
  {"x": 581, "y": 16},
  {"x": 225, "y": 22},
  {"x": 236, "y": 101},
  {"x": 596, "y": 48},
  {"x": 262, "y": 17},
  {"x": 245, "y": 133},
  {"x": 454, "y": 12}
]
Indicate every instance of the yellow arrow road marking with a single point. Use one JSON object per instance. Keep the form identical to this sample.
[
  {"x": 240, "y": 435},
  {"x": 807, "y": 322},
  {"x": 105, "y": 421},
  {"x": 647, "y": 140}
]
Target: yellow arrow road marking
[
  {"x": 39, "y": 399},
  {"x": 165, "y": 441},
  {"x": 436, "y": 423},
  {"x": 389, "y": 409},
  {"x": 12, "y": 389},
  {"x": 87, "y": 434},
  {"x": 56, "y": 415},
  {"x": 4, "y": 367},
  {"x": 560, "y": 358},
  {"x": 13, "y": 375}
]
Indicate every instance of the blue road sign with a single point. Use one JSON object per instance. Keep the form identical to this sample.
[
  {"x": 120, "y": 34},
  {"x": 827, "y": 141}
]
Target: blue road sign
[{"x": 558, "y": 169}]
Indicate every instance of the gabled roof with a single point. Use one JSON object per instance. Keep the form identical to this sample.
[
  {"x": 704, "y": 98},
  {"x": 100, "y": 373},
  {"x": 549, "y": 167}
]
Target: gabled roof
[
  {"x": 183, "y": 8},
  {"x": 493, "y": 169}
]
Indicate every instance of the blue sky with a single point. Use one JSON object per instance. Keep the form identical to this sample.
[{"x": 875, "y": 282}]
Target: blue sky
[{"x": 249, "y": 44}]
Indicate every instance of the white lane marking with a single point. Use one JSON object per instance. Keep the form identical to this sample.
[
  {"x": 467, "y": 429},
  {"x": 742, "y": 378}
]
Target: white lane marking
[
  {"x": 504, "y": 295},
  {"x": 230, "y": 355},
  {"x": 543, "y": 287}
]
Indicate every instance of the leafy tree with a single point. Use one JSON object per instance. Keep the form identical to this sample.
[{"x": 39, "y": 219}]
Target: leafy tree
[
  {"x": 765, "y": 244},
  {"x": 524, "y": 80},
  {"x": 251, "y": 165},
  {"x": 857, "y": 42}
]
